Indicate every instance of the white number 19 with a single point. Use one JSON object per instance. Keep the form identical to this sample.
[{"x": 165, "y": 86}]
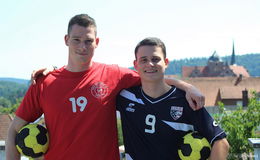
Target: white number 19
[{"x": 80, "y": 102}]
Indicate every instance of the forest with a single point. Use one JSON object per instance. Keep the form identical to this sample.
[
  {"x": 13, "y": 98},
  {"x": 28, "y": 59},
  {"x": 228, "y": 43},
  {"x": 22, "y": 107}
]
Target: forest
[{"x": 11, "y": 94}]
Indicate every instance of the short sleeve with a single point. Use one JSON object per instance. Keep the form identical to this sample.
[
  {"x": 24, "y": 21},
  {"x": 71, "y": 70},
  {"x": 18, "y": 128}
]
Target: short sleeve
[
  {"x": 129, "y": 78},
  {"x": 30, "y": 108}
]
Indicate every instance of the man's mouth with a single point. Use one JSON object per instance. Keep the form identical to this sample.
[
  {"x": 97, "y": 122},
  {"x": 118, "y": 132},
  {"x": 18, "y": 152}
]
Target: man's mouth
[
  {"x": 150, "y": 71},
  {"x": 82, "y": 53}
]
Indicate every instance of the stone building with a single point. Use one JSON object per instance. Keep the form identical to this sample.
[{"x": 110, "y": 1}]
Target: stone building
[{"x": 216, "y": 68}]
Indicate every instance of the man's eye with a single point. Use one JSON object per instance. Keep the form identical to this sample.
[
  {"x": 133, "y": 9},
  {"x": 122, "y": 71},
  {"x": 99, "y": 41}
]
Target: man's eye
[
  {"x": 75, "y": 40},
  {"x": 143, "y": 60},
  {"x": 155, "y": 60},
  {"x": 89, "y": 41}
]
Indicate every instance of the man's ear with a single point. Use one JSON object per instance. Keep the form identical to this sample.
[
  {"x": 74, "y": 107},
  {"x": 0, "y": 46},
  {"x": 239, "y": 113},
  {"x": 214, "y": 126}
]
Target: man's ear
[
  {"x": 66, "y": 39},
  {"x": 135, "y": 64},
  {"x": 97, "y": 41},
  {"x": 166, "y": 61}
]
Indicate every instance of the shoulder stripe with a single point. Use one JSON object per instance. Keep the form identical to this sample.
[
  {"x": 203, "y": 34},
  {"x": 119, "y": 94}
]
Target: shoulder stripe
[
  {"x": 130, "y": 96},
  {"x": 216, "y": 137},
  {"x": 128, "y": 157},
  {"x": 180, "y": 126}
]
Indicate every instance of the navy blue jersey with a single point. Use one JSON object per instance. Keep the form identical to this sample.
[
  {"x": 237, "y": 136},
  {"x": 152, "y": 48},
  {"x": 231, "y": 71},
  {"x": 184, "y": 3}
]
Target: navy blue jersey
[{"x": 153, "y": 127}]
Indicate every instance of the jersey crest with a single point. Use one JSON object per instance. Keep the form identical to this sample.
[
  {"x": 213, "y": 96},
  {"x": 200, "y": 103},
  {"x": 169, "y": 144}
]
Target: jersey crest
[
  {"x": 176, "y": 112},
  {"x": 99, "y": 90}
]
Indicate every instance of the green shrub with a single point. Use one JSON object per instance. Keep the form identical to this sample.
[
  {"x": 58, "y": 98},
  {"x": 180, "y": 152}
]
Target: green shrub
[
  {"x": 240, "y": 125},
  {"x": 119, "y": 131}
]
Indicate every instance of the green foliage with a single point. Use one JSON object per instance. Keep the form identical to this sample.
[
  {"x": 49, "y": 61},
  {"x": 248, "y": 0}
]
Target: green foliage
[
  {"x": 175, "y": 66},
  {"x": 240, "y": 125},
  {"x": 11, "y": 91},
  {"x": 11, "y": 109},
  {"x": 119, "y": 131},
  {"x": 4, "y": 102},
  {"x": 11, "y": 94}
]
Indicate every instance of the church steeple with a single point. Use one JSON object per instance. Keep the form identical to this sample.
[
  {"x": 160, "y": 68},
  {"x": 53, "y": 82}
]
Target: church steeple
[{"x": 233, "y": 61}]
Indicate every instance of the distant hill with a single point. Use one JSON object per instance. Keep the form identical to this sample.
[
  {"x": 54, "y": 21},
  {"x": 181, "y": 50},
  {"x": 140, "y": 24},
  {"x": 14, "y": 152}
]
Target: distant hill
[
  {"x": 250, "y": 61},
  {"x": 16, "y": 80},
  {"x": 11, "y": 91}
]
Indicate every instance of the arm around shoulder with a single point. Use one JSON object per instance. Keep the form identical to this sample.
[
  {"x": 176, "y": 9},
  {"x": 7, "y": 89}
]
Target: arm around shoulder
[
  {"x": 15, "y": 126},
  {"x": 219, "y": 150},
  {"x": 194, "y": 97}
]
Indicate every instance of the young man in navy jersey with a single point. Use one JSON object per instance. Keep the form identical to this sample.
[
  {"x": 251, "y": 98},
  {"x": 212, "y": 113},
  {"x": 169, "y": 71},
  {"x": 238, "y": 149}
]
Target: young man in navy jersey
[{"x": 156, "y": 115}]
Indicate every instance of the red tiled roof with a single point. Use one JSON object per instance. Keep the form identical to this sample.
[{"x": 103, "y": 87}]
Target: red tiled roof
[
  {"x": 210, "y": 86},
  {"x": 231, "y": 92},
  {"x": 5, "y": 120},
  {"x": 239, "y": 70},
  {"x": 187, "y": 70}
]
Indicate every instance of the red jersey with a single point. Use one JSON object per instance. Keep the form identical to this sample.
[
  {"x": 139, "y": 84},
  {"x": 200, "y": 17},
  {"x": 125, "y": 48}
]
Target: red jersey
[{"x": 79, "y": 110}]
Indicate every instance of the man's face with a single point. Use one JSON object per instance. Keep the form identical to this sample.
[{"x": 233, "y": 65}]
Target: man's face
[
  {"x": 150, "y": 63},
  {"x": 82, "y": 42}
]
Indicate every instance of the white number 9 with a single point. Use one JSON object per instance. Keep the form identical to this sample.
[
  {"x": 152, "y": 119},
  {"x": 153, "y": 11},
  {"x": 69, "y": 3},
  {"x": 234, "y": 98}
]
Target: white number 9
[{"x": 150, "y": 121}]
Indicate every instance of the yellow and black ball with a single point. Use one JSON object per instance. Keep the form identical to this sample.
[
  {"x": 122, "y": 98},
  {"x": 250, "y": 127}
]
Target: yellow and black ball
[
  {"x": 194, "y": 147},
  {"x": 32, "y": 140}
]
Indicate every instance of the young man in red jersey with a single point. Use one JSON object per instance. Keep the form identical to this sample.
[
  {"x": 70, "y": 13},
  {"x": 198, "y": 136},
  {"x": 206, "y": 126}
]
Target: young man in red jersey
[{"x": 78, "y": 101}]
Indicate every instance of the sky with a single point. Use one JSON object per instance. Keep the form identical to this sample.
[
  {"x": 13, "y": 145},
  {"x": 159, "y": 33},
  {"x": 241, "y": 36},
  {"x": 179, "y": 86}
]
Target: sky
[{"x": 32, "y": 31}]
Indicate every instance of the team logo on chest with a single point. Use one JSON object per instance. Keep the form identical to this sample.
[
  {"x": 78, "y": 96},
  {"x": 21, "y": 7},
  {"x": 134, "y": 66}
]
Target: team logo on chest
[
  {"x": 176, "y": 112},
  {"x": 99, "y": 90}
]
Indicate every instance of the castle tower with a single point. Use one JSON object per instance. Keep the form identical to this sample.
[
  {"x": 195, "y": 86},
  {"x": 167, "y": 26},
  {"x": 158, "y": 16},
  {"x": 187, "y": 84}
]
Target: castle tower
[{"x": 233, "y": 60}]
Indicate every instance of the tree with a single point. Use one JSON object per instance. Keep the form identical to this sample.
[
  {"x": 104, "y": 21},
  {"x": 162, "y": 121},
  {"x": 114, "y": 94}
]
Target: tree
[
  {"x": 4, "y": 102},
  {"x": 240, "y": 125},
  {"x": 11, "y": 109}
]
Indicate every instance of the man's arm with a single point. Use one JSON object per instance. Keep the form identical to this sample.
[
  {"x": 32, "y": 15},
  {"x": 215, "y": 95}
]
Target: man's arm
[
  {"x": 219, "y": 150},
  {"x": 194, "y": 97},
  {"x": 11, "y": 151}
]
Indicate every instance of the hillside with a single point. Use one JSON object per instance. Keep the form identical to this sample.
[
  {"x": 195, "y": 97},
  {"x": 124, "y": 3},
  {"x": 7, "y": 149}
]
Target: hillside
[
  {"x": 11, "y": 91},
  {"x": 16, "y": 80}
]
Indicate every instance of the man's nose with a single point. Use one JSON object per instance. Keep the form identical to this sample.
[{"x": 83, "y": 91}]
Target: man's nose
[
  {"x": 151, "y": 63},
  {"x": 83, "y": 45}
]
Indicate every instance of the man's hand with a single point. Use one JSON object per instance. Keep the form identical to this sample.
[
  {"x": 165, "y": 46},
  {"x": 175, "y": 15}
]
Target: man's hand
[
  {"x": 195, "y": 98},
  {"x": 40, "y": 72}
]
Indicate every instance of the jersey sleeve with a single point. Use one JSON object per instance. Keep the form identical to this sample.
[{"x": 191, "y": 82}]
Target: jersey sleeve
[
  {"x": 122, "y": 97},
  {"x": 29, "y": 109},
  {"x": 128, "y": 78},
  {"x": 207, "y": 126}
]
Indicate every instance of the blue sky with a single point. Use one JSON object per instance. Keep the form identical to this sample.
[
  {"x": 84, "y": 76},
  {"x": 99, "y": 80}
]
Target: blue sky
[{"x": 32, "y": 31}]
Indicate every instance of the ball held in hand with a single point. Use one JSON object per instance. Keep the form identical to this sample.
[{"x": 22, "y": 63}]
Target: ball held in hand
[
  {"x": 32, "y": 140},
  {"x": 193, "y": 146}
]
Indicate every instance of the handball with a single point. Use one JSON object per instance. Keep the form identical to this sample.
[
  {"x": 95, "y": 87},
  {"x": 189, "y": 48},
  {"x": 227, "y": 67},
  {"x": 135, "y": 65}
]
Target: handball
[
  {"x": 193, "y": 146},
  {"x": 32, "y": 140}
]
